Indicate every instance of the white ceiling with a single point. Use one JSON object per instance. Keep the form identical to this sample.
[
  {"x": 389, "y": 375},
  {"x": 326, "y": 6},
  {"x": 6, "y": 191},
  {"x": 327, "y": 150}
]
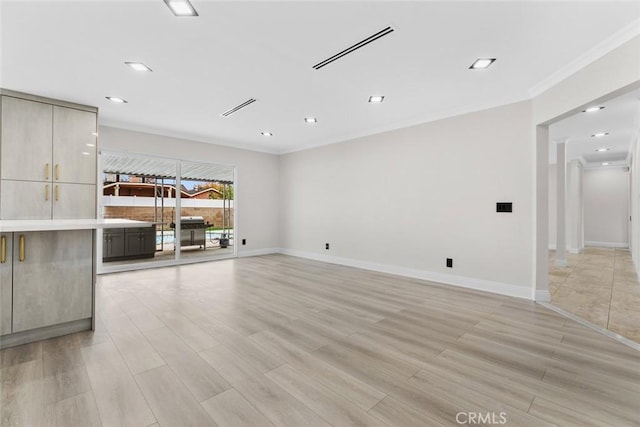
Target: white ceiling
[
  {"x": 75, "y": 50},
  {"x": 620, "y": 119}
]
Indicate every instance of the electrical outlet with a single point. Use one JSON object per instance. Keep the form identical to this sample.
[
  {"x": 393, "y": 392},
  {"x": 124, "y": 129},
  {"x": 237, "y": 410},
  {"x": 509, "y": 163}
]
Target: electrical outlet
[
  {"x": 326, "y": 246},
  {"x": 244, "y": 241},
  {"x": 450, "y": 262}
]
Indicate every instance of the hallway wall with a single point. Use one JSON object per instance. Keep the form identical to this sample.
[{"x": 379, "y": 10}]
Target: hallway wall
[{"x": 606, "y": 207}]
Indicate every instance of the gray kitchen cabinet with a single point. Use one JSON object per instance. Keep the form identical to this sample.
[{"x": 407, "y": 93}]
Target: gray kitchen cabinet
[
  {"x": 25, "y": 199},
  {"x": 74, "y": 145},
  {"x": 140, "y": 242},
  {"x": 45, "y": 149},
  {"x": 27, "y": 137},
  {"x": 48, "y": 172},
  {"x": 52, "y": 278},
  {"x": 73, "y": 201},
  {"x": 113, "y": 244},
  {"x": 6, "y": 286}
]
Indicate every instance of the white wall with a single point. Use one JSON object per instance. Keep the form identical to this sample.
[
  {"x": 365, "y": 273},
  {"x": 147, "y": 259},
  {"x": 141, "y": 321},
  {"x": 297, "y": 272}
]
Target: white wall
[
  {"x": 606, "y": 207},
  {"x": 403, "y": 201},
  {"x": 256, "y": 191}
]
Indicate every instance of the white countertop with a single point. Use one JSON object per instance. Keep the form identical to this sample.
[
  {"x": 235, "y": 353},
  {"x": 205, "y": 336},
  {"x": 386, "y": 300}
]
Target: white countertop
[{"x": 67, "y": 224}]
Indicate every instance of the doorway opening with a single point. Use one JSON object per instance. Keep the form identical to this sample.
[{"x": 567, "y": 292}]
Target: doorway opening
[{"x": 592, "y": 196}]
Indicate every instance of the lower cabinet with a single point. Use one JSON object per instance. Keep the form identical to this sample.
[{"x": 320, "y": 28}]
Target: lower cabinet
[
  {"x": 128, "y": 243},
  {"x": 6, "y": 274},
  {"x": 52, "y": 278},
  {"x": 113, "y": 244}
]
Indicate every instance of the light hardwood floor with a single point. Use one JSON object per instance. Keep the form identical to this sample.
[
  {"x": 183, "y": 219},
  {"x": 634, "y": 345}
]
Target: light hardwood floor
[
  {"x": 601, "y": 286},
  {"x": 283, "y": 341}
]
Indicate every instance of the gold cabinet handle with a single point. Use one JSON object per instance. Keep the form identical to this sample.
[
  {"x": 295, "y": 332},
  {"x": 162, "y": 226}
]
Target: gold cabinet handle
[
  {"x": 46, "y": 192},
  {"x": 3, "y": 249},
  {"x": 57, "y": 193},
  {"x": 46, "y": 171},
  {"x": 57, "y": 172},
  {"x": 22, "y": 248}
]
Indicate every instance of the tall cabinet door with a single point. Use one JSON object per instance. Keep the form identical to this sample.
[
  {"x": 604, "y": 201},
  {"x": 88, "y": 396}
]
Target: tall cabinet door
[
  {"x": 74, "y": 145},
  {"x": 52, "y": 278},
  {"x": 26, "y": 140},
  {"x": 6, "y": 249}
]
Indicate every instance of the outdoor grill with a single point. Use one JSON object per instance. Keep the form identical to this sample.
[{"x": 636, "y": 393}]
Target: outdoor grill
[{"x": 193, "y": 231}]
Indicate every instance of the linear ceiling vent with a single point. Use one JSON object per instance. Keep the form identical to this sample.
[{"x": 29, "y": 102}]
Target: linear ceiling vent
[
  {"x": 355, "y": 47},
  {"x": 238, "y": 107}
]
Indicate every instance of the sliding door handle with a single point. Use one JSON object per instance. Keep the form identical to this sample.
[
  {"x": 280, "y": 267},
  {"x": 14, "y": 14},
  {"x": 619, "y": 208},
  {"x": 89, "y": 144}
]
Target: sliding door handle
[
  {"x": 57, "y": 193},
  {"x": 46, "y": 192},
  {"x": 57, "y": 172}
]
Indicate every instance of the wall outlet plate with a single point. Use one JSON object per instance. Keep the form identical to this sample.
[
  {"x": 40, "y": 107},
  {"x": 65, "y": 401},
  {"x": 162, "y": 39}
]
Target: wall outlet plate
[{"x": 450, "y": 262}]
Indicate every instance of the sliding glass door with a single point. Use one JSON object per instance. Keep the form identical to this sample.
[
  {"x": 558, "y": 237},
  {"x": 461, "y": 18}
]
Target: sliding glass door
[
  {"x": 206, "y": 206},
  {"x": 184, "y": 211}
]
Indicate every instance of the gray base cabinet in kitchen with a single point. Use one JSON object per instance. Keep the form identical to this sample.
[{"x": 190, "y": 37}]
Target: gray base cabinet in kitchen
[
  {"x": 52, "y": 278},
  {"x": 6, "y": 285}
]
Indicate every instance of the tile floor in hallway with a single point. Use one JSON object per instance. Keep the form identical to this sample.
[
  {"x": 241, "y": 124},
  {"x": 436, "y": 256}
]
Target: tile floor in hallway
[
  {"x": 601, "y": 286},
  {"x": 282, "y": 341}
]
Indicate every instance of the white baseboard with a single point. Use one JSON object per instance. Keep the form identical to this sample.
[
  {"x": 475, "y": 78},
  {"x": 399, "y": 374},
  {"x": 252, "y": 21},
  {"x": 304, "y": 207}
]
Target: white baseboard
[
  {"x": 543, "y": 296},
  {"x": 258, "y": 252},
  {"x": 552, "y": 247},
  {"x": 607, "y": 245},
  {"x": 449, "y": 279}
]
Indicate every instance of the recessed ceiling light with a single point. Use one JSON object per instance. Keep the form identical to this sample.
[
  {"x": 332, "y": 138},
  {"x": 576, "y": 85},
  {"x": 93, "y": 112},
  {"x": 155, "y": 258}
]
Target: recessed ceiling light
[
  {"x": 599, "y": 134},
  {"x": 266, "y": 133},
  {"x": 94, "y": 133},
  {"x": 376, "y": 98},
  {"x": 482, "y": 63},
  {"x": 116, "y": 100},
  {"x": 138, "y": 66},
  {"x": 85, "y": 153},
  {"x": 181, "y": 7},
  {"x": 605, "y": 164},
  {"x": 310, "y": 120},
  {"x": 592, "y": 109},
  {"x": 90, "y": 145},
  {"x": 601, "y": 150}
]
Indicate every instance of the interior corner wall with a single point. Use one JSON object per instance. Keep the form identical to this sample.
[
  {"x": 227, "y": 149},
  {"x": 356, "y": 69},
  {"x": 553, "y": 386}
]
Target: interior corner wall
[
  {"x": 606, "y": 207},
  {"x": 257, "y": 197},
  {"x": 404, "y": 201}
]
